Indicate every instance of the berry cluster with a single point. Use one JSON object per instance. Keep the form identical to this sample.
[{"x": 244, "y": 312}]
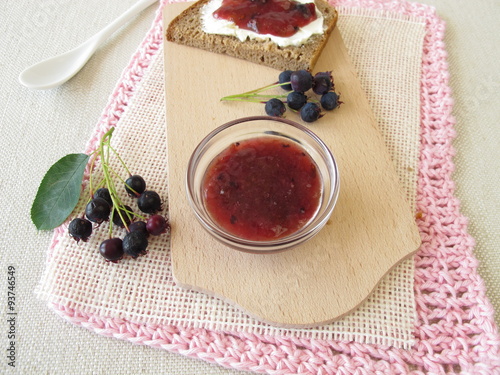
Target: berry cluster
[
  {"x": 297, "y": 84},
  {"x": 106, "y": 205}
]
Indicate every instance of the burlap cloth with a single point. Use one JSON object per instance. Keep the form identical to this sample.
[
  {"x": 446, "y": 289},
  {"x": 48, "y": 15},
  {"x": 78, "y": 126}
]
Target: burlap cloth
[
  {"x": 143, "y": 290},
  {"x": 452, "y": 317}
]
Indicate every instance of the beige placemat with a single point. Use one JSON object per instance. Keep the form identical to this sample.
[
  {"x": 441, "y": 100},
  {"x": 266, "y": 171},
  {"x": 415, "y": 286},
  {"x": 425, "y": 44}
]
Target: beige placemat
[{"x": 142, "y": 290}]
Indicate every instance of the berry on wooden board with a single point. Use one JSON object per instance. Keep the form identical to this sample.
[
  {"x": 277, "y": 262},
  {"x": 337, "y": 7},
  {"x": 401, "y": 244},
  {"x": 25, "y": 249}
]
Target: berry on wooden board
[
  {"x": 284, "y": 79},
  {"x": 301, "y": 80},
  {"x": 275, "y": 107},
  {"x": 330, "y": 101},
  {"x": 322, "y": 83},
  {"x": 310, "y": 112},
  {"x": 296, "y": 100}
]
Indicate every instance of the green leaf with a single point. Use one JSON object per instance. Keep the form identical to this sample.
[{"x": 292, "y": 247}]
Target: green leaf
[{"x": 59, "y": 192}]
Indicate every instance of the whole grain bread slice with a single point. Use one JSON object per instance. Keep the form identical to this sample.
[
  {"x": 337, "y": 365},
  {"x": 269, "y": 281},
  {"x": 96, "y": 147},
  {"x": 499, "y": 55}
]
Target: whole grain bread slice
[{"x": 186, "y": 29}]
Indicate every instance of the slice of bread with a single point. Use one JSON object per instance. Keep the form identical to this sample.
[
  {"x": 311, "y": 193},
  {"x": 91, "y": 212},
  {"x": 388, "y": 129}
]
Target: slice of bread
[{"x": 186, "y": 29}]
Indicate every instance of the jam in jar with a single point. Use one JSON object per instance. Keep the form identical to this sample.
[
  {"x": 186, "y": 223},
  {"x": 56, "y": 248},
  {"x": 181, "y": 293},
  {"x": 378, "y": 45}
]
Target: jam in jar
[{"x": 262, "y": 188}]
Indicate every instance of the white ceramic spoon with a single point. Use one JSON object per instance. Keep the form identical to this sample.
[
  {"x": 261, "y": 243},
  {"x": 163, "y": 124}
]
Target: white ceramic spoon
[{"x": 58, "y": 69}]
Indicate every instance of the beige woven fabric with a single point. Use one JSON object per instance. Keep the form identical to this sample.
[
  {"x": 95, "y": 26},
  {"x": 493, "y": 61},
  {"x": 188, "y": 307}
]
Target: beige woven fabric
[{"x": 142, "y": 290}]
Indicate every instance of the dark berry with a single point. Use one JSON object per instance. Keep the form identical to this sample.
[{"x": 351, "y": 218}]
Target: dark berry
[
  {"x": 112, "y": 249},
  {"x": 296, "y": 100},
  {"x": 310, "y": 112},
  {"x": 127, "y": 214},
  {"x": 97, "y": 210},
  {"x": 284, "y": 77},
  {"x": 305, "y": 10},
  {"x": 135, "y": 244},
  {"x": 135, "y": 186},
  {"x": 322, "y": 83},
  {"x": 301, "y": 80},
  {"x": 139, "y": 226},
  {"x": 104, "y": 194},
  {"x": 149, "y": 202},
  {"x": 330, "y": 100},
  {"x": 80, "y": 229},
  {"x": 157, "y": 225},
  {"x": 275, "y": 107}
]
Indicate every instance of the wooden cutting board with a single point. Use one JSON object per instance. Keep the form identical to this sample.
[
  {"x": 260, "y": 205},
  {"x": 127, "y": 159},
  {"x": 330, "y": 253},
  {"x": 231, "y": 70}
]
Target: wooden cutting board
[{"x": 372, "y": 227}]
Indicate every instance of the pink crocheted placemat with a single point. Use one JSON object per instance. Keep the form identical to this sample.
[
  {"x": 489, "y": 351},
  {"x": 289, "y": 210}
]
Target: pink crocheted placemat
[{"x": 454, "y": 331}]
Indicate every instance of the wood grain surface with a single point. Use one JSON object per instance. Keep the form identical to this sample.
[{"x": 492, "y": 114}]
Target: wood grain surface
[{"x": 372, "y": 227}]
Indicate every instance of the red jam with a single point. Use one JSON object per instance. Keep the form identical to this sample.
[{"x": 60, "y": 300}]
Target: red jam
[
  {"x": 280, "y": 18},
  {"x": 262, "y": 188}
]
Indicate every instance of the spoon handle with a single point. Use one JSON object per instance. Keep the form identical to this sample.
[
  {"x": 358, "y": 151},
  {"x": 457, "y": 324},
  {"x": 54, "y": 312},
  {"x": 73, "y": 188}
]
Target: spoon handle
[
  {"x": 120, "y": 21},
  {"x": 58, "y": 69}
]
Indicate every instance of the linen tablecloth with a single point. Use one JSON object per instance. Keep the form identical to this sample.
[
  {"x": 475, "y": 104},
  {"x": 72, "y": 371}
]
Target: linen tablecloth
[
  {"x": 105, "y": 355},
  {"x": 439, "y": 223}
]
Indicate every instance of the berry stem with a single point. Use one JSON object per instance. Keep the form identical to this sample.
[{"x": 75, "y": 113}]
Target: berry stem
[
  {"x": 95, "y": 188},
  {"x": 104, "y": 151},
  {"x": 260, "y": 89},
  {"x": 134, "y": 214},
  {"x": 100, "y": 185},
  {"x": 118, "y": 176},
  {"x": 255, "y": 92},
  {"x": 94, "y": 156},
  {"x": 120, "y": 160},
  {"x": 106, "y": 139},
  {"x": 252, "y": 100},
  {"x": 111, "y": 216}
]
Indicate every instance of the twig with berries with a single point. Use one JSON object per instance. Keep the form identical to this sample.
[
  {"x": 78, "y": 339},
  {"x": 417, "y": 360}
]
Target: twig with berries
[
  {"x": 104, "y": 203},
  {"x": 296, "y": 84}
]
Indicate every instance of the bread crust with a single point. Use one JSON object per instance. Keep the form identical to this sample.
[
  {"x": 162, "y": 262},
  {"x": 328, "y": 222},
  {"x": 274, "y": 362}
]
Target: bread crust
[{"x": 186, "y": 29}]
